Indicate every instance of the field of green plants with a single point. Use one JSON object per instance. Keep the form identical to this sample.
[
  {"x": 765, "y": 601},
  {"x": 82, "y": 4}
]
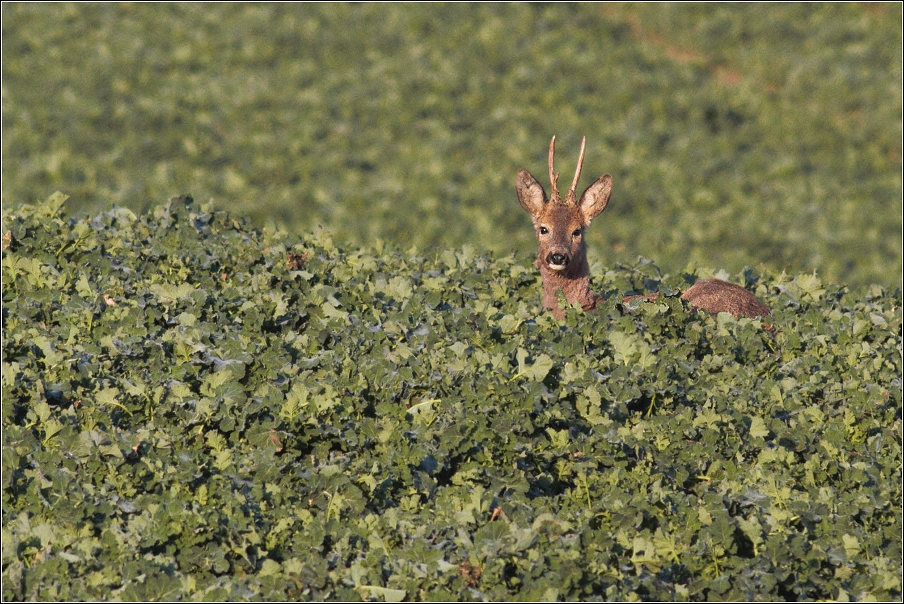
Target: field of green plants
[
  {"x": 737, "y": 135},
  {"x": 194, "y": 409},
  {"x": 326, "y": 375}
]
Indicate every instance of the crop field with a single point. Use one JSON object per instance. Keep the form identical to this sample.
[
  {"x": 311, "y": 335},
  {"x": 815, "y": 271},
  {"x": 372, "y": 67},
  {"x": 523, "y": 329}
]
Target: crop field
[
  {"x": 736, "y": 135},
  {"x": 279, "y": 337}
]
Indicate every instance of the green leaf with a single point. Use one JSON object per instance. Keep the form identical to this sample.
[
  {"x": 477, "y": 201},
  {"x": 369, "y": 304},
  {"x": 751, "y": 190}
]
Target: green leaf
[
  {"x": 630, "y": 349},
  {"x": 758, "y": 428},
  {"x": 388, "y": 595},
  {"x": 851, "y": 546},
  {"x": 168, "y": 292},
  {"x": 536, "y": 371}
]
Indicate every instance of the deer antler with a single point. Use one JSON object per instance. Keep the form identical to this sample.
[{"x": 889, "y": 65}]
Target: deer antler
[
  {"x": 577, "y": 173},
  {"x": 553, "y": 177}
]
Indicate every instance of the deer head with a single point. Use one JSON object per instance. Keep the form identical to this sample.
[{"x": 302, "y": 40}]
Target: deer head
[{"x": 560, "y": 223}]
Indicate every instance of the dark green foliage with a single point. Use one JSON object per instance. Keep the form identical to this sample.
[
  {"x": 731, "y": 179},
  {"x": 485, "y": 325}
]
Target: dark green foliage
[
  {"x": 194, "y": 409},
  {"x": 737, "y": 135}
]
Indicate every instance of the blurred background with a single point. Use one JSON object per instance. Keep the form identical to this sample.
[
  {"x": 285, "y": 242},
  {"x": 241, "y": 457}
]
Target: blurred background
[{"x": 767, "y": 136}]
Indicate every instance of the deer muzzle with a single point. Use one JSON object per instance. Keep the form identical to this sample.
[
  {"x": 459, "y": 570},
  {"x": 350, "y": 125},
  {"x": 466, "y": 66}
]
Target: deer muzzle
[{"x": 558, "y": 261}]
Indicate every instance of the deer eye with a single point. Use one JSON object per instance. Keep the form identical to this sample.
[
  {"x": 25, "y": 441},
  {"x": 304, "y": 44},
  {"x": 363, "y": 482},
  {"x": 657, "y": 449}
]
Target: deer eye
[
  {"x": 543, "y": 230},
  {"x": 576, "y": 234}
]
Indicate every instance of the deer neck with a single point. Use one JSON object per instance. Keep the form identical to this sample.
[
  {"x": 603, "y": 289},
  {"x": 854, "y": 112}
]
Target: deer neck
[{"x": 574, "y": 282}]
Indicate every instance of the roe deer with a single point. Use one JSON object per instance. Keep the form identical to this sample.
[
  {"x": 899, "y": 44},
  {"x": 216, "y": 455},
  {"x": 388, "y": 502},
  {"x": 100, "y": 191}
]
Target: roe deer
[{"x": 562, "y": 257}]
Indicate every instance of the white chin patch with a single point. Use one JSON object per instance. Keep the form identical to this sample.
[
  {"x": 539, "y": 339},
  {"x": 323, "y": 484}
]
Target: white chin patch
[{"x": 557, "y": 267}]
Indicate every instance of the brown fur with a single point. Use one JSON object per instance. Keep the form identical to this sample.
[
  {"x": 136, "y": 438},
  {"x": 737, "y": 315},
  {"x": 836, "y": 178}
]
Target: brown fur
[
  {"x": 718, "y": 296},
  {"x": 562, "y": 252}
]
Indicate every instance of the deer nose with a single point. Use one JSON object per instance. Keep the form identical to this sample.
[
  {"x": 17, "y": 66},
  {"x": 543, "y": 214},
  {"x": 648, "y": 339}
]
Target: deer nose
[{"x": 557, "y": 259}]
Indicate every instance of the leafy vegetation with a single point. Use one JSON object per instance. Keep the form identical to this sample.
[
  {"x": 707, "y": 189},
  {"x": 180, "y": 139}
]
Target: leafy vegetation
[
  {"x": 736, "y": 134},
  {"x": 198, "y": 408},
  {"x": 195, "y": 409}
]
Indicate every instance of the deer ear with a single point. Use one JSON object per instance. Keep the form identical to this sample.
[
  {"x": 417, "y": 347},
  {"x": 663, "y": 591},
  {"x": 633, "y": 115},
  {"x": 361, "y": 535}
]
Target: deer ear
[
  {"x": 595, "y": 198},
  {"x": 530, "y": 193}
]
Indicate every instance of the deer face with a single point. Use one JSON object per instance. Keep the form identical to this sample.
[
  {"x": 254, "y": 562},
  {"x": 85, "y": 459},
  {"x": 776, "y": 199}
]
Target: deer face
[{"x": 560, "y": 223}]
